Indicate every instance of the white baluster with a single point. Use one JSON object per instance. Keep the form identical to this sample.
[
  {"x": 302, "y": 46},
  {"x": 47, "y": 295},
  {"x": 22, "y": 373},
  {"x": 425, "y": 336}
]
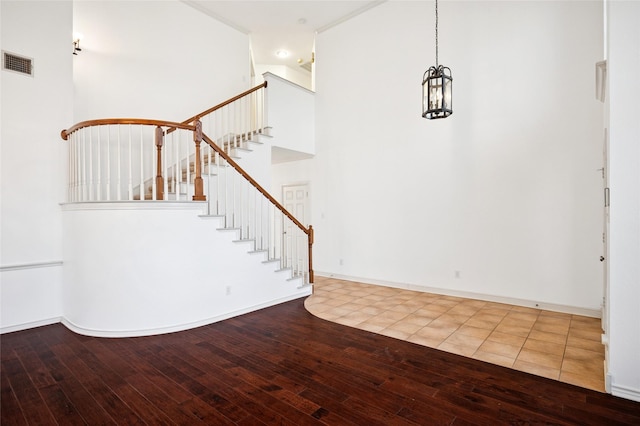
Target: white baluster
[
  {"x": 236, "y": 122},
  {"x": 223, "y": 197},
  {"x": 143, "y": 190},
  {"x": 119, "y": 168},
  {"x": 178, "y": 165},
  {"x": 297, "y": 270},
  {"x": 99, "y": 175},
  {"x": 175, "y": 136},
  {"x": 221, "y": 172},
  {"x": 243, "y": 206},
  {"x": 90, "y": 160},
  {"x": 252, "y": 107},
  {"x": 261, "y": 219},
  {"x": 265, "y": 102},
  {"x": 188, "y": 145},
  {"x": 275, "y": 237},
  {"x": 72, "y": 168},
  {"x": 83, "y": 196},
  {"x": 154, "y": 165},
  {"x": 233, "y": 198},
  {"x": 108, "y": 163},
  {"x": 130, "y": 187},
  {"x": 165, "y": 166}
]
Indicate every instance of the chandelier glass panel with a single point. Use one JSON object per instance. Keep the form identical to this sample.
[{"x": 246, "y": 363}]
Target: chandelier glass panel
[{"x": 437, "y": 88}]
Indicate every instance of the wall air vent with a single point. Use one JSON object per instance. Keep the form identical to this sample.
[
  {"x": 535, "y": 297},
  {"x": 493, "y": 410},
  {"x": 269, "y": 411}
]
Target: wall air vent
[{"x": 17, "y": 63}]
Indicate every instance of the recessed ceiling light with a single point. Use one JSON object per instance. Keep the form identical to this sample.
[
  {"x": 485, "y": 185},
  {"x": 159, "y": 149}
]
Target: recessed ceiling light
[
  {"x": 282, "y": 53},
  {"x": 302, "y": 21}
]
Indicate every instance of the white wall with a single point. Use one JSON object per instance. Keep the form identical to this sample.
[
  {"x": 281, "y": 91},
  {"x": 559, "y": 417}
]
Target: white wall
[
  {"x": 34, "y": 110},
  {"x": 154, "y": 59},
  {"x": 291, "y": 113},
  {"x": 506, "y": 191},
  {"x": 146, "y": 268},
  {"x": 147, "y": 59},
  {"x": 299, "y": 77},
  {"x": 624, "y": 259}
]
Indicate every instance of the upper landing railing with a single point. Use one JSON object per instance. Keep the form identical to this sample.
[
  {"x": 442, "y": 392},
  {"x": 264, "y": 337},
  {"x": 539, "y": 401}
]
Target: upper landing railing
[{"x": 140, "y": 159}]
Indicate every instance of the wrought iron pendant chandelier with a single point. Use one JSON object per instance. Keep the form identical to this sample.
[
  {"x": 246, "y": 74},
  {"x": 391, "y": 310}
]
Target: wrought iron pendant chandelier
[{"x": 436, "y": 88}]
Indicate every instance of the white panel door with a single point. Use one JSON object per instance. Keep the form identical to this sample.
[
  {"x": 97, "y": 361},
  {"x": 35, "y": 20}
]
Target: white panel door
[{"x": 296, "y": 201}]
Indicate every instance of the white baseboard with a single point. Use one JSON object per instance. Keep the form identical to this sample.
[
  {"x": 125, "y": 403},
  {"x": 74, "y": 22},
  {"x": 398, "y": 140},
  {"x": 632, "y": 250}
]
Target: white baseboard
[
  {"x": 575, "y": 310},
  {"x": 305, "y": 291},
  {"x": 28, "y": 325},
  {"x": 625, "y": 392}
]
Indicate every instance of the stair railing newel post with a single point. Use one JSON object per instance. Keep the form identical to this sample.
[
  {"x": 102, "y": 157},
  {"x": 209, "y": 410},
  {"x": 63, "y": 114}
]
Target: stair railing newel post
[
  {"x": 198, "y": 183},
  {"x": 159, "y": 136}
]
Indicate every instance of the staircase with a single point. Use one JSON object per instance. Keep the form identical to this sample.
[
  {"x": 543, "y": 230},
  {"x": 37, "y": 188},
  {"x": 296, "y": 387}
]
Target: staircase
[
  {"x": 198, "y": 159},
  {"x": 180, "y": 179}
]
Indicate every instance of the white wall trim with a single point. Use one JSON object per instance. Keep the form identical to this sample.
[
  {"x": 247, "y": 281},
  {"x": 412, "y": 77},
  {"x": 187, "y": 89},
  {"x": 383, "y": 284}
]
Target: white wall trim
[
  {"x": 284, "y": 80},
  {"x": 217, "y": 17},
  {"x": 31, "y": 265},
  {"x": 28, "y": 325},
  {"x": 305, "y": 291},
  {"x": 353, "y": 14},
  {"x": 137, "y": 205},
  {"x": 575, "y": 310},
  {"x": 625, "y": 392}
]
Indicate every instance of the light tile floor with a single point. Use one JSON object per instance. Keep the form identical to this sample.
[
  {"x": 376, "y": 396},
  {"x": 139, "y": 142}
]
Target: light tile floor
[{"x": 559, "y": 346}]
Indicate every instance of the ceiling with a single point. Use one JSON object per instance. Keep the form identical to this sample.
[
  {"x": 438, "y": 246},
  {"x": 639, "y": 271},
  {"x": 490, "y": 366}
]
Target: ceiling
[{"x": 282, "y": 25}]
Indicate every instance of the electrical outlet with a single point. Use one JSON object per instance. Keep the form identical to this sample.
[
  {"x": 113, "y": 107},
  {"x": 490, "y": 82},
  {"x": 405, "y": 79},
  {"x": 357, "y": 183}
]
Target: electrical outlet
[
  {"x": 341, "y": 262},
  {"x": 457, "y": 274},
  {"x": 228, "y": 290}
]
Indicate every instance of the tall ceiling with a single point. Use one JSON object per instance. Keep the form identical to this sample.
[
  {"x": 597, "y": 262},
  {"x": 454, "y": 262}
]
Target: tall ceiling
[{"x": 282, "y": 25}]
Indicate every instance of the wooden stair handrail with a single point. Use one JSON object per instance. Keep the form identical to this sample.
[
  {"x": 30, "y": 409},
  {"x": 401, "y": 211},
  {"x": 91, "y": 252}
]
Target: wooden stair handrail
[
  {"x": 223, "y": 104},
  {"x": 141, "y": 121},
  {"x": 253, "y": 182},
  {"x": 196, "y": 128}
]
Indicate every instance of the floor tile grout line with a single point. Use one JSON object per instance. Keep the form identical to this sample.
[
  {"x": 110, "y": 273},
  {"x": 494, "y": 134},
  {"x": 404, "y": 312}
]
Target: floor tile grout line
[{"x": 401, "y": 298}]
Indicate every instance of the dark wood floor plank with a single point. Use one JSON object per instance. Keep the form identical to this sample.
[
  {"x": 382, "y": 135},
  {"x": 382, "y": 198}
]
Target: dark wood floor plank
[
  {"x": 260, "y": 362},
  {"x": 362, "y": 384},
  {"x": 11, "y": 413},
  {"x": 221, "y": 376},
  {"x": 206, "y": 385},
  {"x": 199, "y": 405},
  {"x": 173, "y": 390},
  {"x": 83, "y": 401},
  {"x": 278, "y": 365},
  {"x": 39, "y": 374},
  {"x": 223, "y": 382},
  {"x": 63, "y": 410},
  {"x": 34, "y": 408},
  {"x": 339, "y": 377},
  {"x": 78, "y": 360}
]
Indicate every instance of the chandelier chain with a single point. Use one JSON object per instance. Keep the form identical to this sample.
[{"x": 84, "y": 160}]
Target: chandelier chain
[{"x": 436, "y": 33}]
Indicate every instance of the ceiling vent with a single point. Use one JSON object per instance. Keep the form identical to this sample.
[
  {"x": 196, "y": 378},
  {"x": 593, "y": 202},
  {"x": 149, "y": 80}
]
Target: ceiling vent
[{"x": 17, "y": 63}]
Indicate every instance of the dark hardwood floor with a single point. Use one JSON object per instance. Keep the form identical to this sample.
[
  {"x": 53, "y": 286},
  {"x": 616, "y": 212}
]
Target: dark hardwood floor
[{"x": 280, "y": 365}]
